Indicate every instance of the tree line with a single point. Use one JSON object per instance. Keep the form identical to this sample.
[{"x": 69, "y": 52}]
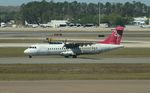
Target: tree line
[
  {"x": 8, "y": 13},
  {"x": 77, "y": 12}
]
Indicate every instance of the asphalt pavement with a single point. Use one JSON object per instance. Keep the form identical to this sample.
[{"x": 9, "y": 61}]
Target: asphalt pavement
[
  {"x": 62, "y": 60},
  {"x": 76, "y": 86}
]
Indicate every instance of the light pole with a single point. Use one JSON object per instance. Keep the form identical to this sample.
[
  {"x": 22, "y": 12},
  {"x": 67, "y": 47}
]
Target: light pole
[
  {"x": 148, "y": 15},
  {"x": 99, "y": 13}
]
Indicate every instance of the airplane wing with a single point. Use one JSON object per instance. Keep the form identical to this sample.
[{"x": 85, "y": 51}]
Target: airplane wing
[
  {"x": 75, "y": 45},
  {"x": 85, "y": 41},
  {"x": 70, "y": 40}
]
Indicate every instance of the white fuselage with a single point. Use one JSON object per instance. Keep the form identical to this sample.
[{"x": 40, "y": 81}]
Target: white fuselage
[{"x": 60, "y": 49}]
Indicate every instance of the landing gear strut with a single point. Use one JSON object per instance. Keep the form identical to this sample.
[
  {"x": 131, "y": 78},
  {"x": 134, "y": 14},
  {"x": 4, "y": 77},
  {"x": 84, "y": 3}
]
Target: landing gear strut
[
  {"x": 30, "y": 56},
  {"x": 74, "y": 56},
  {"x": 66, "y": 56}
]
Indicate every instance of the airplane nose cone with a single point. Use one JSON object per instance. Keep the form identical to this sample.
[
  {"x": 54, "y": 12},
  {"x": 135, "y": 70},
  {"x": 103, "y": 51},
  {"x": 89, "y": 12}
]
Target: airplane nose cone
[{"x": 26, "y": 51}]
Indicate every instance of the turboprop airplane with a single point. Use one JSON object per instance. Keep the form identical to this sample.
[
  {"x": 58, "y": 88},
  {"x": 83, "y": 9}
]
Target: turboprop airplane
[{"x": 74, "y": 49}]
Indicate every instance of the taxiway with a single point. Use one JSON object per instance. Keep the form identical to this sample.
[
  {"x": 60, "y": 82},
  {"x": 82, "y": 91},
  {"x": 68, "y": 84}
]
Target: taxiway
[{"x": 61, "y": 60}]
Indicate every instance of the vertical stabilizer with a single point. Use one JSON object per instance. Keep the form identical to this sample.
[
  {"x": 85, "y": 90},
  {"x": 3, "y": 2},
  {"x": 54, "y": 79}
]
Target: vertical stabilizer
[{"x": 115, "y": 37}]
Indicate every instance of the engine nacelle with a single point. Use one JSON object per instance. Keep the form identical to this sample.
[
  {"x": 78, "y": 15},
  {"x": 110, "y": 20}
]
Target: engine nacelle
[{"x": 67, "y": 53}]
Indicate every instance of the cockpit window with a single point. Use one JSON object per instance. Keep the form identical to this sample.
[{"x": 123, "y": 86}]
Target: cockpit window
[{"x": 33, "y": 47}]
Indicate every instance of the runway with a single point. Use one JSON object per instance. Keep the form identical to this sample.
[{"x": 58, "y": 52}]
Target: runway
[
  {"x": 76, "y": 86},
  {"x": 61, "y": 60},
  {"x": 129, "y": 44}
]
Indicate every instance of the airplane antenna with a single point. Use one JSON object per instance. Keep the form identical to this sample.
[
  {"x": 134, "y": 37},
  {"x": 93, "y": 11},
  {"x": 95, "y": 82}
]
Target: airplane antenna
[{"x": 65, "y": 41}]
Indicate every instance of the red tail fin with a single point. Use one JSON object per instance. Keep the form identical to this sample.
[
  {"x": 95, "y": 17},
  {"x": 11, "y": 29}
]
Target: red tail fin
[{"x": 115, "y": 37}]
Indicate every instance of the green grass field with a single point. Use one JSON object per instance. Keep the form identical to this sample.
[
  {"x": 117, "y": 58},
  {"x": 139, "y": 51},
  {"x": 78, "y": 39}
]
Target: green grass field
[
  {"x": 75, "y": 72},
  {"x": 12, "y": 52}
]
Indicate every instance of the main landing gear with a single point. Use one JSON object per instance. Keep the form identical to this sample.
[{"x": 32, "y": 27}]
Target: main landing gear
[
  {"x": 66, "y": 56},
  {"x": 30, "y": 56},
  {"x": 74, "y": 56}
]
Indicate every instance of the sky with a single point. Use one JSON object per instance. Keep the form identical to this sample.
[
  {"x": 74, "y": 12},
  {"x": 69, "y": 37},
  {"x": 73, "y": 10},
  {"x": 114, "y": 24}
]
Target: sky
[{"x": 19, "y": 2}]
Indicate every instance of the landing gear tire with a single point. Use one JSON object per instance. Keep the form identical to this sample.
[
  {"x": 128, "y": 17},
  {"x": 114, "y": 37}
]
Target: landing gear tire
[
  {"x": 30, "y": 56},
  {"x": 75, "y": 56},
  {"x": 66, "y": 56}
]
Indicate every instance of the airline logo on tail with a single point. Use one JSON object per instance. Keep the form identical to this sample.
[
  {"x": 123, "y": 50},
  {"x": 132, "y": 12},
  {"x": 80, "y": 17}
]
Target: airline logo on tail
[{"x": 115, "y": 37}]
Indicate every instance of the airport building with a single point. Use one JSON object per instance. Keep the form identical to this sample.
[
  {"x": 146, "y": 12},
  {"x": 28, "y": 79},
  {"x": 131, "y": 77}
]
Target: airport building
[
  {"x": 58, "y": 23},
  {"x": 140, "y": 20}
]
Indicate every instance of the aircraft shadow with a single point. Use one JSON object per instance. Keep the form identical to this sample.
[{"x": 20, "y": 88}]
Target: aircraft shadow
[{"x": 90, "y": 58}]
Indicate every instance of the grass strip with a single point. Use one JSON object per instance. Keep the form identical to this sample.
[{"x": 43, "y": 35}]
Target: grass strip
[{"x": 75, "y": 72}]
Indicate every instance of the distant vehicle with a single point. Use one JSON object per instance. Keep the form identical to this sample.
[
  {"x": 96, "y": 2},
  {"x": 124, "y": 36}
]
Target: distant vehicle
[
  {"x": 14, "y": 26},
  {"x": 74, "y": 49},
  {"x": 89, "y": 25},
  {"x": 74, "y": 25},
  {"x": 71, "y": 25},
  {"x": 78, "y": 25},
  {"x": 3, "y": 24},
  {"x": 45, "y": 25},
  {"x": 145, "y": 26},
  {"x": 105, "y": 25},
  {"x": 31, "y": 25},
  {"x": 63, "y": 25}
]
